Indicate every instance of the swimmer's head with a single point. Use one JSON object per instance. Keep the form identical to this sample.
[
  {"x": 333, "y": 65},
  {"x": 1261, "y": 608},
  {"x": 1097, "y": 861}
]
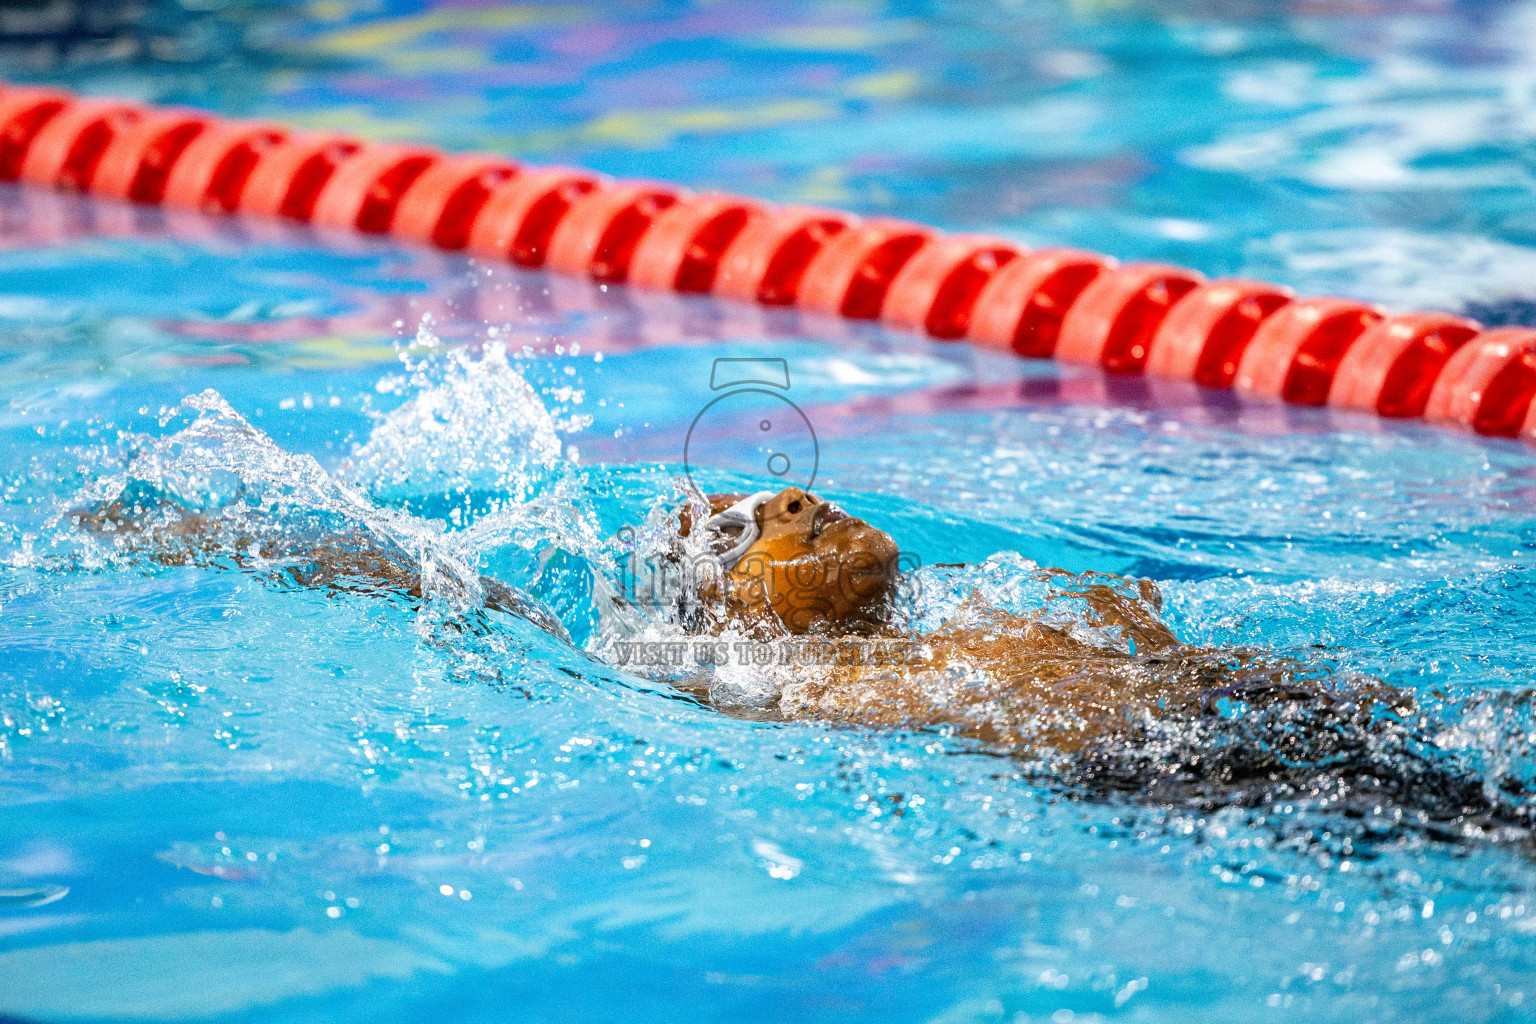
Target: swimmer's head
[{"x": 816, "y": 568}]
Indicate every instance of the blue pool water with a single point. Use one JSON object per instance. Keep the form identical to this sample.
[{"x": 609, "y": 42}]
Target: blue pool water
[{"x": 225, "y": 799}]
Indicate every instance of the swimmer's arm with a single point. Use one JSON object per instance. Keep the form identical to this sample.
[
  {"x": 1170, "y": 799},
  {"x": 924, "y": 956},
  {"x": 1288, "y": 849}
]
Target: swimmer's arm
[
  {"x": 339, "y": 563},
  {"x": 169, "y": 535}
]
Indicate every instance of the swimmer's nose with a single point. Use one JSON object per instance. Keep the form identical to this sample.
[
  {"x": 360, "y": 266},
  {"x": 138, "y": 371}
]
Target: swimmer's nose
[{"x": 795, "y": 501}]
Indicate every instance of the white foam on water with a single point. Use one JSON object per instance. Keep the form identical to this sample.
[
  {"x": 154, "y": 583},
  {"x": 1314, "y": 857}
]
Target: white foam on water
[
  {"x": 471, "y": 424},
  {"x": 219, "y": 463}
]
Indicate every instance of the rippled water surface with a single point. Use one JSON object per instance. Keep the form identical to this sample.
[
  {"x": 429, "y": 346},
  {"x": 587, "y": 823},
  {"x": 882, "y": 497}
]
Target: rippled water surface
[{"x": 224, "y": 797}]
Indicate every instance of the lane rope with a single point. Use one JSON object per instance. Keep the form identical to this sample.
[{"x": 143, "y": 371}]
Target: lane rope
[{"x": 1259, "y": 339}]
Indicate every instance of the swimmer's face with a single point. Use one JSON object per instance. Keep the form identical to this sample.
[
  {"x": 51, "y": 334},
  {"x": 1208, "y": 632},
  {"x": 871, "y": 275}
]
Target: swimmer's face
[{"x": 816, "y": 566}]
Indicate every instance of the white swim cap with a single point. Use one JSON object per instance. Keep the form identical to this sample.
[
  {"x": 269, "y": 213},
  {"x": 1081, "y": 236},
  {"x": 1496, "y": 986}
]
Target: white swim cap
[{"x": 734, "y": 530}]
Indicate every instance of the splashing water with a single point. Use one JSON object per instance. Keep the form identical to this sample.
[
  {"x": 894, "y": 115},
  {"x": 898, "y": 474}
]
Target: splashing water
[
  {"x": 471, "y": 425},
  {"x": 264, "y": 504},
  {"x": 464, "y": 491},
  {"x": 473, "y": 440},
  {"x": 256, "y": 800}
]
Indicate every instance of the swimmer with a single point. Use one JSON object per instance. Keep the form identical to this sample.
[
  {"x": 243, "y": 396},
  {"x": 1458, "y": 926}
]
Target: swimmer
[
  {"x": 1150, "y": 716},
  {"x": 795, "y": 564}
]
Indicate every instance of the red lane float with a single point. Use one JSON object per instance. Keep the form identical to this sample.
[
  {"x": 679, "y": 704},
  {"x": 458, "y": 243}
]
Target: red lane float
[
  {"x": 290, "y": 176},
  {"x": 1022, "y": 307},
  {"x": 1113, "y": 321},
  {"x": 211, "y": 172},
  {"x": 1075, "y": 306},
  {"x": 684, "y": 245},
  {"x": 852, "y": 273},
  {"x": 767, "y": 261},
  {"x": 65, "y": 152},
  {"x": 1488, "y": 384},
  {"x": 1528, "y": 428},
  {"x": 598, "y": 235},
  {"x": 520, "y": 216},
  {"x": 137, "y": 163},
  {"x": 1295, "y": 351},
  {"x": 1392, "y": 367},
  {"x": 363, "y": 191},
  {"x": 23, "y": 113},
  {"x": 440, "y": 207},
  {"x": 1205, "y": 334},
  {"x": 938, "y": 287}
]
